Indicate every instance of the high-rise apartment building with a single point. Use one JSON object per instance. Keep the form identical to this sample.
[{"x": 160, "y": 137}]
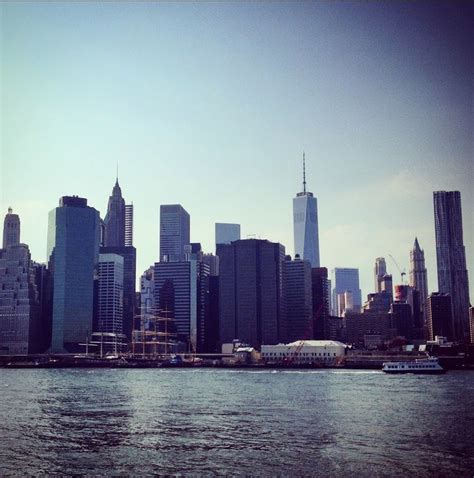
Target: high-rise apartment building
[
  {"x": 114, "y": 234},
  {"x": 73, "y": 253},
  {"x": 226, "y": 233},
  {"x": 20, "y": 306},
  {"x": 250, "y": 291},
  {"x": 451, "y": 258},
  {"x": 174, "y": 232},
  {"x": 128, "y": 225},
  {"x": 379, "y": 271},
  {"x": 11, "y": 229},
  {"x": 439, "y": 316},
  {"x": 345, "y": 279},
  {"x": 297, "y": 297},
  {"x": 305, "y": 224},
  {"x": 418, "y": 276},
  {"x": 110, "y": 294}
]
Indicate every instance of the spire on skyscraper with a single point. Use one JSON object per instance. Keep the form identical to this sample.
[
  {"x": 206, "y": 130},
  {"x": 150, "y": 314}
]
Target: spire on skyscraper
[
  {"x": 304, "y": 174},
  {"x": 416, "y": 247}
]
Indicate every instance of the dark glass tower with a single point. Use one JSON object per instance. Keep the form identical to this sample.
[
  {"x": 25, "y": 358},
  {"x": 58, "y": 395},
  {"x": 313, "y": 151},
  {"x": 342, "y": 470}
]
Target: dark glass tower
[
  {"x": 73, "y": 250},
  {"x": 174, "y": 232},
  {"x": 451, "y": 258}
]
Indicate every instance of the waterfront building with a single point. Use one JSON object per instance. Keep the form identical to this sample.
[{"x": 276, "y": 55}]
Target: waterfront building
[
  {"x": 226, "y": 233},
  {"x": 357, "y": 325},
  {"x": 73, "y": 253},
  {"x": 174, "y": 232},
  {"x": 110, "y": 294},
  {"x": 305, "y": 224},
  {"x": 439, "y": 316},
  {"x": 20, "y": 305},
  {"x": 250, "y": 292},
  {"x": 297, "y": 297},
  {"x": 327, "y": 352},
  {"x": 128, "y": 225},
  {"x": 379, "y": 271},
  {"x": 418, "y": 276},
  {"x": 11, "y": 229},
  {"x": 451, "y": 258},
  {"x": 345, "y": 279},
  {"x": 182, "y": 289},
  {"x": 114, "y": 222},
  {"x": 320, "y": 293},
  {"x": 401, "y": 319}
]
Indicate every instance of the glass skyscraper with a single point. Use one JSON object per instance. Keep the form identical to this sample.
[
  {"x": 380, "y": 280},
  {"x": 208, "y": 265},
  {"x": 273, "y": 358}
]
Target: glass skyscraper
[
  {"x": 451, "y": 258},
  {"x": 345, "y": 279},
  {"x": 305, "y": 224},
  {"x": 174, "y": 232},
  {"x": 73, "y": 250},
  {"x": 226, "y": 233}
]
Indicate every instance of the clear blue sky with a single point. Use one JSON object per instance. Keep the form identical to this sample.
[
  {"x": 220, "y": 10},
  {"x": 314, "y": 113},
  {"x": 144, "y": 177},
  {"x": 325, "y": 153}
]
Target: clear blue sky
[{"x": 211, "y": 104}]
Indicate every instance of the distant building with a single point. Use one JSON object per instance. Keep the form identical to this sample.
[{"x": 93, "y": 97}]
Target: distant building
[
  {"x": 110, "y": 294},
  {"x": 213, "y": 262},
  {"x": 439, "y": 316},
  {"x": 20, "y": 305},
  {"x": 378, "y": 302},
  {"x": 451, "y": 258},
  {"x": 471, "y": 323},
  {"x": 174, "y": 232},
  {"x": 251, "y": 292},
  {"x": 128, "y": 225},
  {"x": 418, "y": 274},
  {"x": 305, "y": 224},
  {"x": 73, "y": 252},
  {"x": 11, "y": 229},
  {"x": 320, "y": 287},
  {"x": 226, "y": 233},
  {"x": 297, "y": 290},
  {"x": 114, "y": 222},
  {"x": 345, "y": 279},
  {"x": 386, "y": 284},
  {"x": 401, "y": 319},
  {"x": 369, "y": 322},
  {"x": 147, "y": 299},
  {"x": 379, "y": 271}
]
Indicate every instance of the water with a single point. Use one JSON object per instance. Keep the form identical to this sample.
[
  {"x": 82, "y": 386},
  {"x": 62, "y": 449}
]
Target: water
[{"x": 230, "y": 422}]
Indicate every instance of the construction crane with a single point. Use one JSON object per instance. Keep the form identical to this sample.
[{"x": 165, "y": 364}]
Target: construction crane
[{"x": 402, "y": 272}]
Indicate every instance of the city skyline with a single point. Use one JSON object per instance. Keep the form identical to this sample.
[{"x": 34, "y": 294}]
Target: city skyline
[{"x": 406, "y": 127}]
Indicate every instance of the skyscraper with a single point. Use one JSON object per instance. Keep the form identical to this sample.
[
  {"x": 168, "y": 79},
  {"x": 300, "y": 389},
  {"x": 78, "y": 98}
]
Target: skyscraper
[
  {"x": 250, "y": 291},
  {"x": 128, "y": 225},
  {"x": 305, "y": 224},
  {"x": 174, "y": 232},
  {"x": 439, "y": 316},
  {"x": 451, "y": 258},
  {"x": 115, "y": 219},
  {"x": 321, "y": 288},
  {"x": 226, "y": 233},
  {"x": 418, "y": 275},
  {"x": 11, "y": 229},
  {"x": 20, "y": 307},
  {"x": 345, "y": 279},
  {"x": 379, "y": 271},
  {"x": 73, "y": 252}
]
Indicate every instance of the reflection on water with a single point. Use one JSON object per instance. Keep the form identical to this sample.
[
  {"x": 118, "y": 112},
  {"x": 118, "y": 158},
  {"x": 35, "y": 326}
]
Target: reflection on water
[{"x": 235, "y": 422}]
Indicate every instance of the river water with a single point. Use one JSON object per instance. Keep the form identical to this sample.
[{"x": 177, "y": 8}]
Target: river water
[{"x": 235, "y": 422}]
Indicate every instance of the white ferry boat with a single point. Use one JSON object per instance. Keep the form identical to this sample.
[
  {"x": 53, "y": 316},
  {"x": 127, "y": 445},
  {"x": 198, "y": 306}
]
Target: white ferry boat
[{"x": 428, "y": 365}]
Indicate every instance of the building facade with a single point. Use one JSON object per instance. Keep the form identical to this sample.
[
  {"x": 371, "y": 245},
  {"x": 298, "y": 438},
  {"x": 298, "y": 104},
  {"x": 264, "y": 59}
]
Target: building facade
[
  {"x": 451, "y": 258},
  {"x": 11, "y": 229},
  {"x": 226, "y": 233},
  {"x": 73, "y": 252},
  {"x": 380, "y": 270},
  {"x": 250, "y": 292},
  {"x": 114, "y": 222},
  {"x": 418, "y": 276},
  {"x": 320, "y": 286},
  {"x": 345, "y": 279},
  {"x": 439, "y": 316},
  {"x": 174, "y": 232},
  {"x": 305, "y": 224},
  {"x": 128, "y": 225}
]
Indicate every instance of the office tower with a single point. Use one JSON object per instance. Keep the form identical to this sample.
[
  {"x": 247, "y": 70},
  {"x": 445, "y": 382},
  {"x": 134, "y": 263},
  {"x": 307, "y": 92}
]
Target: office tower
[
  {"x": 114, "y": 234},
  {"x": 110, "y": 294},
  {"x": 401, "y": 319},
  {"x": 345, "y": 279},
  {"x": 471, "y": 323},
  {"x": 451, "y": 258},
  {"x": 11, "y": 229},
  {"x": 211, "y": 343},
  {"x": 379, "y": 271},
  {"x": 174, "y": 232},
  {"x": 439, "y": 316},
  {"x": 213, "y": 262},
  {"x": 20, "y": 306},
  {"x": 250, "y": 291},
  {"x": 305, "y": 224},
  {"x": 147, "y": 299},
  {"x": 73, "y": 252},
  {"x": 182, "y": 288},
  {"x": 226, "y": 233},
  {"x": 128, "y": 225},
  {"x": 386, "y": 284},
  {"x": 129, "y": 254},
  {"x": 297, "y": 297},
  {"x": 320, "y": 287},
  {"x": 418, "y": 275}
]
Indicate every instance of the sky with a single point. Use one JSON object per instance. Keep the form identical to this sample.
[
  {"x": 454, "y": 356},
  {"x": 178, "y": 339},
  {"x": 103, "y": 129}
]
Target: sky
[{"x": 211, "y": 105}]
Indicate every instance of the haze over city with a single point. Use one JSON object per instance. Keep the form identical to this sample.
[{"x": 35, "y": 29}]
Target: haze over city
[{"x": 211, "y": 106}]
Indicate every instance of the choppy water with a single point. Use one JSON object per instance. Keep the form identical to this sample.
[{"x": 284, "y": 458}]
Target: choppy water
[{"x": 207, "y": 422}]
